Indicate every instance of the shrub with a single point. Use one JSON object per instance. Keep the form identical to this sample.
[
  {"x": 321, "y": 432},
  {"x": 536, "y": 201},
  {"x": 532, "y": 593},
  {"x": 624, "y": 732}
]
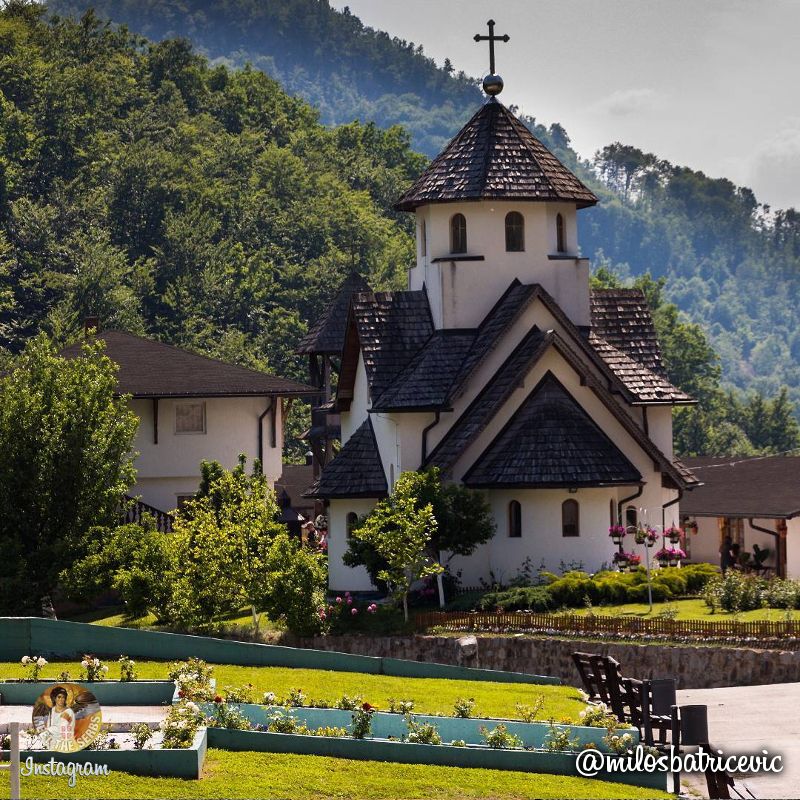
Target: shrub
[
  {"x": 181, "y": 724},
  {"x": 227, "y": 716},
  {"x": 529, "y": 713},
  {"x": 782, "y": 593},
  {"x": 520, "y": 598},
  {"x": 296, "y": 698},
  {"x": 400, "y": 706},
  {"x": 560, "y": 739},
  {"x": 463, "y": 708},
  {"x": 348, "y": 703},
  {"x": 239, "y": 694},
  {"x": 499, "y": 738},
  {"x": 697, "y": 576},
  {"x": 422, "y": 732},
  {"x": 127, "y": 669},
  {"x": 362, "y": 721},
  {"x": 142, "y": 734}
]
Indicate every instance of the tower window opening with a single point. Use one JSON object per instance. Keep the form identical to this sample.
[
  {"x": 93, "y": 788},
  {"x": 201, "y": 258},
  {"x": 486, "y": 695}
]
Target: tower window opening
[
  {"x": 514, "y": 519},
  {"x": 570, "y": 518},
  {"x": 515, "y": 232},
  {"x": 561, "y": 234},
  {"x": 423, "y": 239},
  {"x": 458, "y": 234}
]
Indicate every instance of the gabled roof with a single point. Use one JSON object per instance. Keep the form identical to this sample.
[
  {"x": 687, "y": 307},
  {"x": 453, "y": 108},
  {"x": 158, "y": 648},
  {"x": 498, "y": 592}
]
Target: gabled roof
[
  {"x": 478, "y": 414},
  {"x": 153, "y": 369},
  {"x": 646, "y": 386},
  {"x": 622, "y": 318},
  {"x": 326, "y": 334},
  {"x": 758, "y": 488},
  {"x": 494, "y": 156},
  {"x": 356, "y": 471},
  {"x": 391, "y": 327},
  {"x": 425, "y": 382},
  {"x": 551, "y": 442},
  {"x": 294, "y": 481}
]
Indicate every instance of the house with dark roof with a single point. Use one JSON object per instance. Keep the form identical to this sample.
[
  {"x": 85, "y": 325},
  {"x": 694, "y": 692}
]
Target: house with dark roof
[
  {"x": 500, "y": 367},
  {"x": 754, "y": 501},
  {"x": 193, "y": 408}
]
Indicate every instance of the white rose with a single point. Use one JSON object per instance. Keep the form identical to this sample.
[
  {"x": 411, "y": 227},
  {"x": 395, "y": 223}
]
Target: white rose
[
  {"x": 41, "y": 662},
  {"x": 193, "y": 707},
  {"x": 269, "y": 698},
  {"x": 97, "y": 662},
  {"x": 26, "y": 660},
  {"x": 84, "y": 663},
  {"x": 104, "y": 668}
]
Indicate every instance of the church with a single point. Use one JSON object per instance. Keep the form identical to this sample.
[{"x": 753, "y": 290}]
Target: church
[{"x": 500, "y": 366}]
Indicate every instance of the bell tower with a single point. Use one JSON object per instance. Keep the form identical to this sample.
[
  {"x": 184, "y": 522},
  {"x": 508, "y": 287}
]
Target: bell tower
[{"x": 496, "y": 205}]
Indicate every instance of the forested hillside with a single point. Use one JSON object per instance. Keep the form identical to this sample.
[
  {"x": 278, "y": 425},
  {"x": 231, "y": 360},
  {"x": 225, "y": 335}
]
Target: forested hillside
[
  {"x": 729, "y": 263},
  {"x": 195, "y": 203}
]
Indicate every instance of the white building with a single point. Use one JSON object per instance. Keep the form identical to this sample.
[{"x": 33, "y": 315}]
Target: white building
[
  {"x": 193, "y": 408},
  {"x": 499, "y": 366}
]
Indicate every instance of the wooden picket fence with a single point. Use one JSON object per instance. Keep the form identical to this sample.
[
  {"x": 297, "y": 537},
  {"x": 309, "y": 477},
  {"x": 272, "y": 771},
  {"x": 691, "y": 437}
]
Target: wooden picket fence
[{"x": 597, "y": 624}]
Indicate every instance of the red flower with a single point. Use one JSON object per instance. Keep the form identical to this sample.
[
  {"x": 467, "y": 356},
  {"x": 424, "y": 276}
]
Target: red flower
[
  {"x": 217, "y": 699},
  {"x": 180, "y": 693},
  {"x": 367, "y": 707}
]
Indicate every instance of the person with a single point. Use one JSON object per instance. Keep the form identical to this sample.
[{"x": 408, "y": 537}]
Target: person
[
  {"x": 725, "y": 553},
  {"x": 736, "y": 550},
  {"x": 61, "y": 722}
]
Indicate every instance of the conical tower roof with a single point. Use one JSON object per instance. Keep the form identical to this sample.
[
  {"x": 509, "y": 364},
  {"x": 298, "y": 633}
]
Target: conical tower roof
[{"x": 495, "y": 157}]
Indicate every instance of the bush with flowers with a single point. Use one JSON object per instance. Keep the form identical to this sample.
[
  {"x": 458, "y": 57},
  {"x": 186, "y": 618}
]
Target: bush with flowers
[
  {"x": 228, "y": 716},
  {"x": 181, "y": 724},
  {"x": 35, "y": 665},
  {"x": 345, "y": 613},
  {"x": 598, "y": 716},
  {"x": 92, "y": 668},
  {"x": 192, "y": 679},
  {"x": 127, "y": 669},
  {"x": 362, "y": 721}
]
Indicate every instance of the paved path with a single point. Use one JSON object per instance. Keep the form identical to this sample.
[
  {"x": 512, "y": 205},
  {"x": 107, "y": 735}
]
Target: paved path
[{"x": 747, "y": 719}]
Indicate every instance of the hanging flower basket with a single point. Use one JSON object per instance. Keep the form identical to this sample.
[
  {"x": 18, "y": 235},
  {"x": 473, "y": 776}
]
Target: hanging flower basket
[
  {"x": 634, "y": 561},
  {"x": 664, "y": 557},
  {"x": 674, "y": 534},
  {"x": 676, "y": 555},
  {"x": 617, "y": 533},
  {"x": 646, "y": 535},
  {"x": 621, "y": 560}
]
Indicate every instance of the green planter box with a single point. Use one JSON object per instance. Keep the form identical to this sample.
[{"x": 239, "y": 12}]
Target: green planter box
[
  {"x": 108, "y": 693},
  {"x": 184, "y": 763},
  {"x": 405, "y": 753},
  {"x": 384, "y": 725}
]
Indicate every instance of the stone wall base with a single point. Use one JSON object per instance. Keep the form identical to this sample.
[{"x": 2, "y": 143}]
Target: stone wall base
[{"x": 694, "y": 667}]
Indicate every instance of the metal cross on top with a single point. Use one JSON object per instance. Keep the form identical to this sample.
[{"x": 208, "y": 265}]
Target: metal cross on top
[{"x": 491, "y": 38}]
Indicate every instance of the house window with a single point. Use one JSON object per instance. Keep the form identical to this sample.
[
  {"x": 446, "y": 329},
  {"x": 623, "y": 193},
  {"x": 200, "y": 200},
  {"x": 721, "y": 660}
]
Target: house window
[
  {"x": 352, "y": 521},
  {"x": 514, "y": 520},
  {"x": 190, "y": 418},
  {"x": 570, "y": 518},
  {"x": 631, "y": 517},
  {"x": 561, "y": 235},
  {"x": 515, "y": 232},
  {"x": 612, "y": 512},
  {"x": 423, "y": 239},
  {"x": 458, "y": 234}
]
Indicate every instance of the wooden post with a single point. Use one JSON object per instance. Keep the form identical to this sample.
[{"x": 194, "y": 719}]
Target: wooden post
[{"x": 13, "y": 766}]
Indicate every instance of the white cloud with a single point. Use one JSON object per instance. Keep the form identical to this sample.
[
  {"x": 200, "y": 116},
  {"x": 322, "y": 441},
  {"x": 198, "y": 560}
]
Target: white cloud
[
  {"x": 775, "y": 168},
  {"x": 624, "y": 102}
]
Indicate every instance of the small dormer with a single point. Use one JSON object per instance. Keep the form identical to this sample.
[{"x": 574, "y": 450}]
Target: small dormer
[{"x": 496, "y": 205}]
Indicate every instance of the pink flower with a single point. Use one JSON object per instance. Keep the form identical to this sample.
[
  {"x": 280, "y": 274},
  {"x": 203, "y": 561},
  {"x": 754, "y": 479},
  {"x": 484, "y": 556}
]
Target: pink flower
[
  {"x": 339, "y": 600},
  {"x": 330, "y": 609},
  {"x": 322, "y": 614},
  {"x": 354, "y": 611},
  {"x": 349, "y": 600}
]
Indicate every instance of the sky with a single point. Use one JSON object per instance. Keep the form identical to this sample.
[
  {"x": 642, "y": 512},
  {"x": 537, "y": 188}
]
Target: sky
[{"x": 709, "y": 84}]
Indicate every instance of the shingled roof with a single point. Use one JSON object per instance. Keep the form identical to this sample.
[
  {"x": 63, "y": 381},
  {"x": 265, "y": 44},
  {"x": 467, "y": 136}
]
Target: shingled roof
[
  {"x": 489, "y": 400},
  {"x": 494, "y": 156},
  {"x": 392, "y": 327},
  {"x": 356, "y": 471},
  {"x": 148, "y": 368},
  {"x": 645, "y": 385},
  {"x": 622, "y": 318},
  {"x": 758, "y": 488},
  {"x": 326, "y": 334},
  {"x": 551, "y": 442}
]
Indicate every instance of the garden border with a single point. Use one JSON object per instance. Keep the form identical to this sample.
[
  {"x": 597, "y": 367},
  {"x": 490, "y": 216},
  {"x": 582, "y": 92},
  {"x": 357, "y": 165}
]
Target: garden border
[
  {"x": 558, "y": 763},
  {"x": 20, "y": 636},
  {"x": 107, "y": 692}
]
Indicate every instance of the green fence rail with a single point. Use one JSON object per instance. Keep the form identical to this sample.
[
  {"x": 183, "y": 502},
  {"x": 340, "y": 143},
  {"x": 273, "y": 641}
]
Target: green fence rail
[{"x": 21, "y": 636}]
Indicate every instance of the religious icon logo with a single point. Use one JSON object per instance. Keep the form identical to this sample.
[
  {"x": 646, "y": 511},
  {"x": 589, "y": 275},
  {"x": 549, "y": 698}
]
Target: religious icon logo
[{"x": 67, "y": 717}]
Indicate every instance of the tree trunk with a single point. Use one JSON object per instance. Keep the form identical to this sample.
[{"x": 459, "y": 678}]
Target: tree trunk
[
  {"x": 440, "y": 587},
  {"x": 405, "y": 606}
]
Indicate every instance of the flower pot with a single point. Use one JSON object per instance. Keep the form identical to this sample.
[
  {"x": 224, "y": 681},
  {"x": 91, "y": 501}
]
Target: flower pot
[
  {"x": 674, "y": 539},
  {"x": 617, "y": 540}
]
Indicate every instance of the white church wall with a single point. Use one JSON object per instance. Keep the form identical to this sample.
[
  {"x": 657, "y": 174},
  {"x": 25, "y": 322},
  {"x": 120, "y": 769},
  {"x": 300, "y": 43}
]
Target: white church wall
[
  {"x": 171, "y": 467},
  {"x": 463, "y": 292},
  {"x": 704, "y": 545},
  {"x": 351, "y": 420},
  {"x": 542, "y": 539},
  {"x": 793, "y": 548},
  {"x": 340, "y": 577},
  {"x": 659, "y": 421}
]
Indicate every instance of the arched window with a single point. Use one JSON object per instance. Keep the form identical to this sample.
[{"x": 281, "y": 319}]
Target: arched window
[
  {"x": 458, "y": 234},
  {"x": 514, "y": 520},
  {"x": 423, "y": 239},
  {"x": 352, "y": 521},
  {"x": 515, "y": 232},
  {"x": 631, "y": 517},
  {"x": 561, "y": 234},
  {"x": 570, "y": 518}
]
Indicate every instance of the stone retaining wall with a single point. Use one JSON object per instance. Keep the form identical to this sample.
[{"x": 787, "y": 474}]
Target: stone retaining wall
[{"x": 695, "y": 667}]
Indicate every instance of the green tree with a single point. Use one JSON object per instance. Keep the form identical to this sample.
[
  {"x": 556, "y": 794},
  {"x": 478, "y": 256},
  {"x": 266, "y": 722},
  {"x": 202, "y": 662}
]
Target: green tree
[
  {"x": 65, "y": 463},
  {"x": 400, "y": 529}
]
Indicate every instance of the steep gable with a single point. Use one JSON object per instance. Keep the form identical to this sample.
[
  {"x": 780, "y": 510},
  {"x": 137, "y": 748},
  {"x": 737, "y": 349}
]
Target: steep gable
[{"x": 551, "y": 442}]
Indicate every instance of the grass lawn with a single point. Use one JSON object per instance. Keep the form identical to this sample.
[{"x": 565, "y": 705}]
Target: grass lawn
[
  {"x": 687, "y": 609},
  {"x": 268, "y": 775},
  {"x": 430, "y": 695}
]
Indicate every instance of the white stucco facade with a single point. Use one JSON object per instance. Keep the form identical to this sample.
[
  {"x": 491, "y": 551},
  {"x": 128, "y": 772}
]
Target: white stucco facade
[{"x": 170, "y": 467}]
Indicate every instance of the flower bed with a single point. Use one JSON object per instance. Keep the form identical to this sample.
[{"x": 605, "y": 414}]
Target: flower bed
[{"x": 110, "y": 693}]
